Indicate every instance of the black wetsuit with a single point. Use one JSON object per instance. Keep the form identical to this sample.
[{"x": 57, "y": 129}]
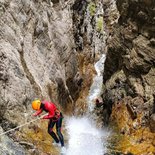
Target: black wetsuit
[{"x": 58, "y": 123}]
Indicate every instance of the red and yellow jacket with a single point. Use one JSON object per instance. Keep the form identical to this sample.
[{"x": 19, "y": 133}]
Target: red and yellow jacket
[{"x": 53, "y": 112}]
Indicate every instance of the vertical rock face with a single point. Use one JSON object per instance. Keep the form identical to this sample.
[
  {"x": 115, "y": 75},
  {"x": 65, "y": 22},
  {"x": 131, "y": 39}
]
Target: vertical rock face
[
  {"x": 37, "y": 58},
  {"x": 90, "y": 34},
  {"x": 92, "y": 23},
  {"x": 37, "y": 55},
  {"x": 129, "y": 75}
]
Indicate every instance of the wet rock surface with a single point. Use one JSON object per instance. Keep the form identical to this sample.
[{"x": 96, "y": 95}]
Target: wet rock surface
[
  {"x": 129, "y": 76},
  {"x": 8, "y": 146}
]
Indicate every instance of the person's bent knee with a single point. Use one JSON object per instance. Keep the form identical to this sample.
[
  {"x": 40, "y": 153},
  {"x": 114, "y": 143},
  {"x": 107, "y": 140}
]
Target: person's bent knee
[{"x": 50, "y": 130}]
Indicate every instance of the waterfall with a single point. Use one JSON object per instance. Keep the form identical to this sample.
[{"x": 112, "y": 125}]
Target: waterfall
[
  {"x": 96, "y": 87},
  {"x": 84, "y": 137}
]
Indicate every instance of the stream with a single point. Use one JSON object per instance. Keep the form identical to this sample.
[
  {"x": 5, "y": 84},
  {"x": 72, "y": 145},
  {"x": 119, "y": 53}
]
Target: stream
[{"x": 84, "y": 136}]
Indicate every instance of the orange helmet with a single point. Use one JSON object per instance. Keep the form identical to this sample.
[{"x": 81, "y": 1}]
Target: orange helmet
[{"x": 36, "y": 104}]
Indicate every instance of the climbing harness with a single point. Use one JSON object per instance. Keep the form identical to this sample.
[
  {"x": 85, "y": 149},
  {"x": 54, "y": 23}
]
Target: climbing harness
[{"x": 20, "y": 126}]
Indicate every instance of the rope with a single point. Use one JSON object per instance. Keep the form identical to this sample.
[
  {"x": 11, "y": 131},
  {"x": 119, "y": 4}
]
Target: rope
[{"x": 20, "y": 126}]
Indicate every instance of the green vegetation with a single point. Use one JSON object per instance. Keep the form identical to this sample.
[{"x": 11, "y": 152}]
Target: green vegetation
[
  {"x": 99, "y": 24},
  {"x": 92, "y": 8}
]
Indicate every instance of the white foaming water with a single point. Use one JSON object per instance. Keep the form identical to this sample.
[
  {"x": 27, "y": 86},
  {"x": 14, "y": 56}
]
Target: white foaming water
[
  {"x": 84, "y": 137},
  {"x": 99, "y": 66},
  {"x": 96, "y": 88}
]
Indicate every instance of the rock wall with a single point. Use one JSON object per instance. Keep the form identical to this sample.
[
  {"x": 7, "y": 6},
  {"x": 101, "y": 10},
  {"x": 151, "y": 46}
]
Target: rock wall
[
  {"x": 37, "y": 58},
  {"x": 37, "y": 55},
  {"x": 129, "y": 76},
  {"x": 90, "y": 32}
]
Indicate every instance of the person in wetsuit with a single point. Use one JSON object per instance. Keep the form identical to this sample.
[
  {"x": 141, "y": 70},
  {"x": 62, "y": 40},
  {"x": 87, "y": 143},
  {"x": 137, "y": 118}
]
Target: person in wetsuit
[{"x": 54, "y": 116}]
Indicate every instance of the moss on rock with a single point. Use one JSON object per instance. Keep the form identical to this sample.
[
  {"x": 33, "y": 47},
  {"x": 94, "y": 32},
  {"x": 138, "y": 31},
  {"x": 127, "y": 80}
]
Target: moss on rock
[
  {"x": 99, "y": 24},
  {"x": 92, "y": 8}
]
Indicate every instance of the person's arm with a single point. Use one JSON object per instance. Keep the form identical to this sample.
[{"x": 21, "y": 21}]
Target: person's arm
[
  {"x": 38, "y": 112},
  {"x": 50, "y": 115}
]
